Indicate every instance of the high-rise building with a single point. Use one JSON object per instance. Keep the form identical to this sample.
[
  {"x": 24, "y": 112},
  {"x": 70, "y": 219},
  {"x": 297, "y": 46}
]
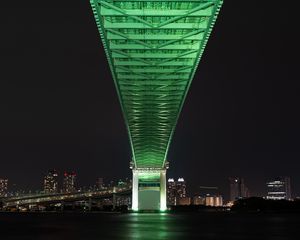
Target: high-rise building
[
  {"x": 238, "y": 188},
  {"x": 3, "y": 187},
  {"x": 176, "y": 191},
  {"x": 100, "y": 183},
  {"x": 51, "y": 182},
  {"x": 181, "y": 188},
  {"x": 69, "y": 182},
  {"x": 279, "y": 188},
  {"x": 171, "y": 192}
]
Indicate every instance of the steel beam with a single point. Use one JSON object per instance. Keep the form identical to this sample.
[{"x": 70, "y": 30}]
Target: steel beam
[{"x": 153, "y": 49}]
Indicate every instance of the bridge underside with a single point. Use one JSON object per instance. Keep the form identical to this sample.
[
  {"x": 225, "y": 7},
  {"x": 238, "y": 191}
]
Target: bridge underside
[{"x": 153, "y": 48}]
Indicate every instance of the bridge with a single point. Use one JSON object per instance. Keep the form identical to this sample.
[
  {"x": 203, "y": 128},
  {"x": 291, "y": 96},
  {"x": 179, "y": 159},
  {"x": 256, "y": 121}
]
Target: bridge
[
  {"x": 153, "y": 48},
  {"x": 47, "y": 199}
]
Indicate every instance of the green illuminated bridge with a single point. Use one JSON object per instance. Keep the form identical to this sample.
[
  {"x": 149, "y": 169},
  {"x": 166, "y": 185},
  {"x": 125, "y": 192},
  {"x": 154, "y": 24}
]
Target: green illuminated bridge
[{"x": 153, "y": 48}]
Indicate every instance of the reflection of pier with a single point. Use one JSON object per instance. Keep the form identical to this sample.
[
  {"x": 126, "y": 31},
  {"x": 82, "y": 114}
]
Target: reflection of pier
[{"x": 114, "y": 197}]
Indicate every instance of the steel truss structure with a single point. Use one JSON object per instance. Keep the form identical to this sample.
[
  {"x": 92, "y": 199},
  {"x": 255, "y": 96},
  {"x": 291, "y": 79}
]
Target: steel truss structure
[{"x": 153, "y": 48}]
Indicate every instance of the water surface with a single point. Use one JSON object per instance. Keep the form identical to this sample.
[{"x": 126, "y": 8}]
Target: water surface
[{"x": 95, "y": 226}]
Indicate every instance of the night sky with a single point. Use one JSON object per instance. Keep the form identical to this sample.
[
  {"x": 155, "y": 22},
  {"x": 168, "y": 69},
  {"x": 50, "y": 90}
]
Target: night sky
[{"x": 59, "y": 108}]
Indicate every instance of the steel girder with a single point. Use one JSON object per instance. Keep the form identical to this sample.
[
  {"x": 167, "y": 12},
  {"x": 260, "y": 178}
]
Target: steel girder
[{"x": 153, "y": 48}]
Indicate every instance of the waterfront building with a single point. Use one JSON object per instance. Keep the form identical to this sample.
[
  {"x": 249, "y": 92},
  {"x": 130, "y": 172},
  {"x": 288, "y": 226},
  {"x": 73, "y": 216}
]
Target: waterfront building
[
  {"x": 198, "y": 200},
  {"x": 208, "y": 196},
  {"x": 218, "y": 201},
  {"x": 176, "y": 190},
  {"x": 171, "y": 192},
  {"x": 208, "y": 200},
  {"x": 238, "y": 189},
  {"x": 279, "y": 188},
  {"x": 123, "y": 200},
  {"x": 3, "y": 187},
  {"x": 69, "y": 182},
  {"x": 181, "y": 188},
  {"x": 214, "y": 201},
  {"x": 51, "y": 182}
]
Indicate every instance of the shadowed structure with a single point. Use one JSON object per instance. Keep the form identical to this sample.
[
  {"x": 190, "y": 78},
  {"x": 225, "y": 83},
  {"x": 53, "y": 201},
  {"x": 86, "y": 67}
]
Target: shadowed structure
[{"x": 153, "y": 48}]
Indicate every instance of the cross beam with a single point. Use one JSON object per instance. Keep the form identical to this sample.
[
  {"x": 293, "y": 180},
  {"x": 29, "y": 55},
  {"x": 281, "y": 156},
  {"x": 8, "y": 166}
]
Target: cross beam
[{"x": 153, "y": 49}]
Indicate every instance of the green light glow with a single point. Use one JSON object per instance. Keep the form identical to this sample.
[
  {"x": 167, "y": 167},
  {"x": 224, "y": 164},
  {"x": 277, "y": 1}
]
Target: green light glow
[
  {"x": 153, "y": 48},
  {"x": 149, "y": 176}
]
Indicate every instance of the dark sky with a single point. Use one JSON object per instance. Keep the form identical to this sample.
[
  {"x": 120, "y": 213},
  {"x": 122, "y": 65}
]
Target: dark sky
[{"x": 59, "y": 108}]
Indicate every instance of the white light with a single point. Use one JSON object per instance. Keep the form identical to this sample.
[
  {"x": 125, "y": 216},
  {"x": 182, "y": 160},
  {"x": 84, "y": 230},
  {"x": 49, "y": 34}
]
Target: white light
[
  {"x": 180, "y": 180},
  {"x": 171, "y": 180},
  {"x": 135, "y": 189},
  {"x": 163, "y": 209},
  {"x": 163, "y": 192}
]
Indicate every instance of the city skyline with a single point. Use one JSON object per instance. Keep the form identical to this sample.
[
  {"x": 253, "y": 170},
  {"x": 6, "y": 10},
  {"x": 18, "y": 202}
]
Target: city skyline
[
  {"x": 241, "y": 120},
  {"x": 237, "y": 187},
  {"x": 224, "y": 186}
]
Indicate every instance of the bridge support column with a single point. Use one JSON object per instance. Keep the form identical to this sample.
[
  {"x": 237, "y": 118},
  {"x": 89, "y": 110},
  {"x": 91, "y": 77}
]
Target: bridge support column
[
  {"x": 114, "y": 198},
  {"x": 135, "y": 190},
  {"x": 149, "y": 189},
  {"x": 163, "y": 191}
]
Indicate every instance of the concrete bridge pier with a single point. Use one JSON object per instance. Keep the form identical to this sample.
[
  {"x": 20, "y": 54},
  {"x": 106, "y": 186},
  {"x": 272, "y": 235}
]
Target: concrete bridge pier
[
  {"x": 149, "y": 189},
  {"x": 153, "y": 78}
]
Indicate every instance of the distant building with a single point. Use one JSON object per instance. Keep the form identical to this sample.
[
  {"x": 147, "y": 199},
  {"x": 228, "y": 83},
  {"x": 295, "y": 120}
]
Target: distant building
[
  {"x": 177, "y": 192},
  {"x": 171, "y": 192},
  {"x": 124, "y": 184},
  {"x": 100, "y": 183},
  {"x": 51, "y": 182},
  {"x": 123, "y": 200},
  {"x": 181, "y": 188},
  {"x": 208, "y": 196},
  {"x": 279, "y": 188},
  {"x": 184, "y": 201},
  {"x": 111, "y": 184},
  {"x": 3, "y": 187},
  {"x": 218, "y": 201},
  {"x": 69, "y": 182},
  {"x": 198, "y": 200},
  {"x": 238, "y": 188},
  {"x": 214, "y": 201}
]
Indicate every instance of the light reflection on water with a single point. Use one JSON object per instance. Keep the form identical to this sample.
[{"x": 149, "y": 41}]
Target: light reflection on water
[{"x": 150, "y": 226}]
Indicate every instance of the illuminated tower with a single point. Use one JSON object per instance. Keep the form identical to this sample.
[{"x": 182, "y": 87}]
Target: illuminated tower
[
  {"x": 50, "y": 182},
  {"x": 176, "y": 191},
  {"x": 153, "y": 49},
  {"x": 171, "y": 192},
  {"x": 69, "y": 182},
  {"x": 181, "y": 188}
]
